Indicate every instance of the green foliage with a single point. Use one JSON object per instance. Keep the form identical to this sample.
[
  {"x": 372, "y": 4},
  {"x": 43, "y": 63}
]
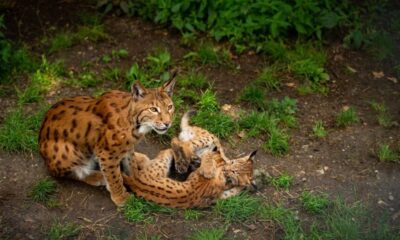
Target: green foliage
[
  {"x": 314, "y": 203},
  {"x": 384, "y": 118},
  {"x": 191, "y": 214},
  {"x": 254, "y": 95},
  {"x": 159, "y": 62},
  {"x": 207, "y": 53},
  {"x": 66, "y": 39},
  {"x": 208, "y": 234},
  {"x": 13, "y": 60},
  {"x": 386, "y": 154},
  {"x": 138, "y": 209},
  {"x": 58, "y": 231},
  {"x": 61, "y": 40},
  {"x": 19, "y": 130},
  {"x": 43, "y": 80},
  {"x": 277, "y": 143},
  {"x": 216, "y": 122},
  {"x": 112, "y": 74},
  {"x": 346, "y": 117},
  {"x": 282, "y": 181},
  {"x": 251, "y": 23},
  {"x": 192, "y": 80},
  {"x": 43, "y": 191},
  {"x": 284, "y": 110},
  {"x": 319, "y": 129},
  {"x": 237, "y": 208},
  {"x": 268, "y": 78}
]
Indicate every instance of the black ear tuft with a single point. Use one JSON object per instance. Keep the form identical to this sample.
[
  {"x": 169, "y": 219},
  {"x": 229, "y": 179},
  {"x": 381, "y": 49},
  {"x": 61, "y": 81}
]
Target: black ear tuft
[
  {"x": 137, "y": 90},
  {"x": 252, "y": 154},
  {"x": 169, "y": 86}
]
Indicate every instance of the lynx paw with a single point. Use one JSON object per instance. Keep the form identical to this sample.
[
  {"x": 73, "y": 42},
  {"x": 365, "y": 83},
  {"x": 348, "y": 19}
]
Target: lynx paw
[
  {"x": 120, "y": 199},
  {"x": 207, "y": 173}
]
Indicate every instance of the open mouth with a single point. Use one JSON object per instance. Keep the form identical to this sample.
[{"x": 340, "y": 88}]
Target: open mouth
[{"x": 161, "y": 130}]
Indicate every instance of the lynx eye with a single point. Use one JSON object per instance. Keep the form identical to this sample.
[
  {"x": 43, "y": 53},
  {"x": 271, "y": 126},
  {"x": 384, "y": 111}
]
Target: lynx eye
[
  {"x": 153, "y": 109},
  {"x": 170, "y": 107}
]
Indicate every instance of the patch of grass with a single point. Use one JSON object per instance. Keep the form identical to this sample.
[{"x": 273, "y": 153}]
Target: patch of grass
[
  {"x": 384, "y": 118},
  {"x": 43, "y": 192},
  {"x": 347, "y": 117},
  {"x": 237, "y": 208},
  {"x": 19, "y": 130},
  {"x": 61, "y": 40},
  {"x": 282, "y": 181},
  {"x": 191, "y": 214},
  {"x": 208, "y": 54},
  {"x": 120, "y": 53},
  {"x": 44, "y": 79},
  {"x": 381, "y": 45},
  {"x": 284, "y": 110},
  {"x": 112, "y": 74},
  {"x": 277, "y": 143},
  {"x": 159, "y": 62},
  {"x": 58, "y": 231},
  {"x": 192, "y": 80},
  {"x": 286, "y": 218},
  {"x": 386, "y": 154},
  {"x": 85, "y": 80},
  {"x": 257, "y": 123},
  {"x": 319, "y": 129},
  {"x": 216, "y": 122},
  {"x": 87, "y": 18},
  {"x": 147, "y": 237},
  {"x": 138, "y": 209},
  {"x": 272, "y": 123},
  {"x": 254, "y": 95},
  {"x": 208, "y": 234},
  {"x": 208, "y": 101},
  {"x": 92, "y": 33},
  {"x": 314, "y": 203},
  {"x": 268, "y": 78}
]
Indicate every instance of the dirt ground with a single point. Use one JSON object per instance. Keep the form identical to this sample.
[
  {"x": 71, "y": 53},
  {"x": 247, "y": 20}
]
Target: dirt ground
[{"x": 342, "y": 164}]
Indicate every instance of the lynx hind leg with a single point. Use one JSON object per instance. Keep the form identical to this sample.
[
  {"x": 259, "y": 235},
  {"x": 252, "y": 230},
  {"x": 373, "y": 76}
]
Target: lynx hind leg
[
  {"x": 182, "y": 158},
  {"x": 208, "y": 167},
  {"x": 140, "y": 161}
]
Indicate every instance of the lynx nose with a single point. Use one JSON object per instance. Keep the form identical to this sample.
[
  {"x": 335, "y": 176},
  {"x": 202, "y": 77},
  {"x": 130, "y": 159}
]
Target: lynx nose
[{"x": 167, "y": 124}]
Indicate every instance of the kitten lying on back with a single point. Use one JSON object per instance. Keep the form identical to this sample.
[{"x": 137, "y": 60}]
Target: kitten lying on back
[{"x": 191, "y": 144}]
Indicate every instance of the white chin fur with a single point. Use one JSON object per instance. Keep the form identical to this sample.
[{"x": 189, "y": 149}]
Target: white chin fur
[{"x": 145, "y": 129}]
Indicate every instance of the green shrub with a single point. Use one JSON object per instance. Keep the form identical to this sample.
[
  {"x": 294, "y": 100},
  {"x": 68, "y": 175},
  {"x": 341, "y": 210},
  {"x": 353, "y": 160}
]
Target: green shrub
[{"x": 347, "y": 117}]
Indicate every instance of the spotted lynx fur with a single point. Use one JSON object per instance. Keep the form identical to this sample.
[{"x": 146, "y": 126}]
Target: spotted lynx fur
[
  {"x": 191, "y": 143},
  {"x": 83, "y": 132},
  {"x": 150, "y": 179}
]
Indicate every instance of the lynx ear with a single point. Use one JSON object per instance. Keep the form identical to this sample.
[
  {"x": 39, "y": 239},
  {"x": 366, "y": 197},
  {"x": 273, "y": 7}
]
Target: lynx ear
[
  {"x": 169, "y": 86},
  {"x": 137, "y": 90},
  {"x": 252, "y": 155}
]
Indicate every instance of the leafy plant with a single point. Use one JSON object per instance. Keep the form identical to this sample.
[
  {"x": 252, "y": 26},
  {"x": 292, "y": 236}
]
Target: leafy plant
[
  {"x": 19, "y": 130},
  {"x": 385, "y": 153},
  {"x": 208, "y": 234},
  {"x": 254, "y": 95},
  {"x": 314, "y": 203},
  {"x": 138, "y": 209},
  {"x": 384, "y": 118},
  {"x": 43, "y": 191},
  {"x": 237, "y": 208},
  {"x": 58, "y": 231},
  {"x": 191, "y": 214},
  {"x": 159, "y": 62},
  {"x": 277, "y": 143},
  {"x": 346, "y": 117},
  {"x": 319, "y": 129},
  {"x": 282, "y": 181}
]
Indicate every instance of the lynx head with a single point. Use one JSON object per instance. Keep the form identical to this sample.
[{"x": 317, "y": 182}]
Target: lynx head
[
  {"x": 239, "y": 172},
  {"x": 154, "y": 107}
]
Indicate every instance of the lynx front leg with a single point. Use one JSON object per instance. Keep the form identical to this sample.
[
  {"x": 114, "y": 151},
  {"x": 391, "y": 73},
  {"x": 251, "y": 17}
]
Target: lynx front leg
[{"x": 110, "y": 167}]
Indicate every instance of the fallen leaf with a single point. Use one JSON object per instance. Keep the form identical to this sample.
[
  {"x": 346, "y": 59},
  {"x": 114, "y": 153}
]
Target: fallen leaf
[
  {"x": 290, "y": 84},
  {"x": 351, "y": 69},
  {"x": 226, "y": 107},
  {"x": 242, "y": 134},
  {"x": 393, "y": 79},
  {"x": 378, "y": 74},
  {"x": 345, "y": 108}
]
